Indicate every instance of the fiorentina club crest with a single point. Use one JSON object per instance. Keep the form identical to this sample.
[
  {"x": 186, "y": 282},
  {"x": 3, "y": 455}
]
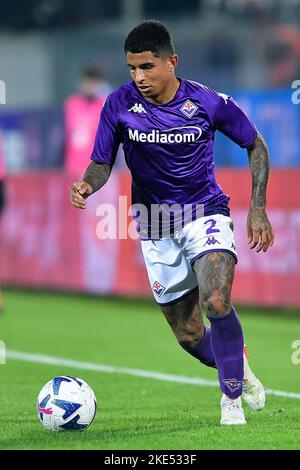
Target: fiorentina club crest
[
  {"x": 232, "y": 384},
  {"x": 158, "y": 288},
  {"x": 189, "y": 108}
]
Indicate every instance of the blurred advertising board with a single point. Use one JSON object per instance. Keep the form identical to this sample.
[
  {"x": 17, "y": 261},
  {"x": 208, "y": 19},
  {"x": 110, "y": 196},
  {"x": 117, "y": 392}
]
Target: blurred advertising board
[
  {"x": 277, "y": 118},
  {"x": 32, "y": 139},
  {"x": 46, "y": 243}
]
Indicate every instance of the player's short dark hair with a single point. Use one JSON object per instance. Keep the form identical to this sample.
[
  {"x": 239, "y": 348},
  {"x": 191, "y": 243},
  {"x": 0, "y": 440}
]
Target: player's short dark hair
[
  {"x": 92, "y": 72},
  {"x": 150, "y": 36}
]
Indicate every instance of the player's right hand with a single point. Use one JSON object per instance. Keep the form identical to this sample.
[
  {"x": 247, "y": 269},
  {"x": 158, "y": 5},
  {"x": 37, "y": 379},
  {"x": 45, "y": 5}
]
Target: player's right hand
[{"x": 79, "y": 192}]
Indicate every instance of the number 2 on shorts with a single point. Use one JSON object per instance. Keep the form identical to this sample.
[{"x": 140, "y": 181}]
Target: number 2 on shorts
[{"x": 211, "y": 228}]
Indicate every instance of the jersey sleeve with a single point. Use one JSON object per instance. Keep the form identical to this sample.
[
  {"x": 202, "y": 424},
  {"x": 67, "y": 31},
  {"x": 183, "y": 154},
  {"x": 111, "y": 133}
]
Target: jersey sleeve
[
  {"x": 232, "y": 121},
  {"x": 107, "y": 138}
]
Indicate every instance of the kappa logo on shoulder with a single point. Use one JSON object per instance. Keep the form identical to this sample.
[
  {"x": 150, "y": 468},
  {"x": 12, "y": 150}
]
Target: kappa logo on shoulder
[
  {"x": 225, "y": 97},
  {"x": 137, "y": 108},
  {"x": 189, "y": 108}
]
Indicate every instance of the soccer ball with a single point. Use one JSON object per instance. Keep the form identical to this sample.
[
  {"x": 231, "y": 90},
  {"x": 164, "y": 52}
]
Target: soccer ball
[{"x": 66, "y": 404}]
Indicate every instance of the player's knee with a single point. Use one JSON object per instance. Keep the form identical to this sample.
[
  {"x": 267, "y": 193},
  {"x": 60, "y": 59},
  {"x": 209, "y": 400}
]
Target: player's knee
[{"x": 216, "y": 303}]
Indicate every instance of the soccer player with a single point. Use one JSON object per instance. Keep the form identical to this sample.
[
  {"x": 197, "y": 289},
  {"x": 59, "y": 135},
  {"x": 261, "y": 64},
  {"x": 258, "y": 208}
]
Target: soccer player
[{"x": 167, "y": 125}]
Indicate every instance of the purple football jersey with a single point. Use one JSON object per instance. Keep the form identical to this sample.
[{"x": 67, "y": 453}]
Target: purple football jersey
[{"x": 169, "y": 147}]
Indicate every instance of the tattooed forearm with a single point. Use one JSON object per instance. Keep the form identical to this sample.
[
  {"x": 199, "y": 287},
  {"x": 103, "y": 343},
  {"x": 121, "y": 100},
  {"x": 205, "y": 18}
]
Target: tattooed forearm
[
  {"x": 96, "y": 175},
  {"x": 259, "y": 229},
  {"x": 259, "y": 164}
]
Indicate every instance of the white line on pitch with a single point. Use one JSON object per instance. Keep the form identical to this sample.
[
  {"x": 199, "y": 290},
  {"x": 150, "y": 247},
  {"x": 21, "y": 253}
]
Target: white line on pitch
[{"x": 58, "y": 361}]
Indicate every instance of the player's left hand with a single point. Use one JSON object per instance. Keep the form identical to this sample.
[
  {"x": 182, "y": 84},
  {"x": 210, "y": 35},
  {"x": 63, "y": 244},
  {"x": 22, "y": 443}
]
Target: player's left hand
[{"x": 260, "y": 232}]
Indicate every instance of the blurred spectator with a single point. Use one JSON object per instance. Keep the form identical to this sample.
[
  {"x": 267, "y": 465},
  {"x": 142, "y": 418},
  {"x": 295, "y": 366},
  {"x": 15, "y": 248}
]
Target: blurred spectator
[
  {"x": 283, "y": 56},
  {"x": 1, "y": 202},
  {"x": 82, "y": 112}
]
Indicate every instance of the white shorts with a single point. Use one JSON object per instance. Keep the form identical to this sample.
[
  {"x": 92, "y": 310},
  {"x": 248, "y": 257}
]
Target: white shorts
[{"x": 169, "y": 261}]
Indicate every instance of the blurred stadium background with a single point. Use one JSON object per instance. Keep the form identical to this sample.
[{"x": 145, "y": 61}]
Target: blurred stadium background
[
  {"x": 250, "y": 49},
  {"x": 247, "y": 48}
]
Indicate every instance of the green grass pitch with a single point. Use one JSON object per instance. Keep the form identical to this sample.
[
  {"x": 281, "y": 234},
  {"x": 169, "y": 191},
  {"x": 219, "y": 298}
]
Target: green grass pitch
[{"x": 137, "y": 412}]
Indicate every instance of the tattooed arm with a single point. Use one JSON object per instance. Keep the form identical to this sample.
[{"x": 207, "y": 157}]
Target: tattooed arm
[
  {"x": 260, "y": 233},
  {"x": 95, "y": 176}
]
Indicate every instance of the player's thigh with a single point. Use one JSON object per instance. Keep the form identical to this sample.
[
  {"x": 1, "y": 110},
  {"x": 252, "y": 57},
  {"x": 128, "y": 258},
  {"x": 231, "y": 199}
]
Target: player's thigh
[
  {"x": 215, "y": 275},
  {"x": 209, "y": 234},
  {"x": 170, "y": 274},
  {"x": 185, "y": 318}
]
